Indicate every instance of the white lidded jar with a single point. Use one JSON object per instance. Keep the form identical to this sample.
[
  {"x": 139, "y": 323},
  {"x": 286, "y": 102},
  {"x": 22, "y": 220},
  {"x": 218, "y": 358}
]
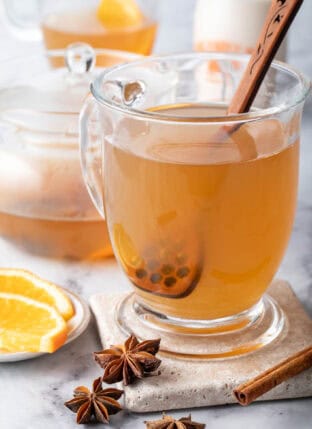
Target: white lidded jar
[{"x": 230, "y": 25}]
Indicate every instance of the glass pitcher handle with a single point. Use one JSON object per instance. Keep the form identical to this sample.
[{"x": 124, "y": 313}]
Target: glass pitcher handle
[
  {"x": 91, "y": 152},
  {"x": 23, "y": 18}
]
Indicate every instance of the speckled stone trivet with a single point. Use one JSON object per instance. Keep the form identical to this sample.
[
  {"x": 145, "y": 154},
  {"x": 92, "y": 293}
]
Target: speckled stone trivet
[{"x": 188, "y": 384}]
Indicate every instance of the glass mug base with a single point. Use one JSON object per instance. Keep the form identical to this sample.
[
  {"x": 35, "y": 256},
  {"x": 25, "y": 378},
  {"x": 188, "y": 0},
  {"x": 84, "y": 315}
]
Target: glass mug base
[{"x": 228, "y": 337}]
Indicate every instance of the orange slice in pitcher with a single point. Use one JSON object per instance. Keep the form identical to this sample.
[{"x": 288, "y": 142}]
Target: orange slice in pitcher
[
  {"x": 27, "y": 284},
  {"x": 29, "y": 325},
  {"x": 119, "y": 13}
]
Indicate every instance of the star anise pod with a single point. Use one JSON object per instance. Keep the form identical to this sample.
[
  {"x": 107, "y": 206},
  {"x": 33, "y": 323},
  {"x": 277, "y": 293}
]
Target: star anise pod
[
  {"x": 168, "y": 422},
  {"x": 129, "y": 361},
  {"x": 98, "y": 404}
]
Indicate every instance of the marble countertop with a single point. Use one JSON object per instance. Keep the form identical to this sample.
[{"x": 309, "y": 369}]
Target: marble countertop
[{"x": 32, "y": 392}]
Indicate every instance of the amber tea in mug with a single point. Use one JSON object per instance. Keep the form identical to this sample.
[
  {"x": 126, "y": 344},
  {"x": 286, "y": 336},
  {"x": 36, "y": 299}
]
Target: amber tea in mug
[{"x": 204, "y": 235}]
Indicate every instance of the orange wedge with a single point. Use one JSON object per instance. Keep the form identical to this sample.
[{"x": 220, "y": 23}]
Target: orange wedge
[
  {"x": 29, "y": 285},
  {"x": 129, "y": 256},
  {"x": 119, "y": 13},
  {"x": 29, "y": 325}
]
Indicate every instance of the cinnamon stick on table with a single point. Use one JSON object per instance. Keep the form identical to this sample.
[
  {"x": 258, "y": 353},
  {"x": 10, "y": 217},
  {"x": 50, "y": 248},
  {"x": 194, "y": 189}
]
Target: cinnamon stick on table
[{"x": 252, "y": 389}]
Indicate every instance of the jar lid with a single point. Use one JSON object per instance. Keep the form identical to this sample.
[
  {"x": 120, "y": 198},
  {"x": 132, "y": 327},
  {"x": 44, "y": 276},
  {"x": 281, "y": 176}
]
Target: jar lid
[{"x": 45, "y": 93}]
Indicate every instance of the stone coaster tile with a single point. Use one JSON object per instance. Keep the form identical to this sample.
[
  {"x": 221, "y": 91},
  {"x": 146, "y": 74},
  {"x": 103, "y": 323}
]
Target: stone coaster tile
[{"x": 189, "y": 383}]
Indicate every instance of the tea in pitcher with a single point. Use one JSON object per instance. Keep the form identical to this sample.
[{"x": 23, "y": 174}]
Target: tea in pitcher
[
  {"x": 45, "y": 208},
  {"x": 67, "y": 239}
]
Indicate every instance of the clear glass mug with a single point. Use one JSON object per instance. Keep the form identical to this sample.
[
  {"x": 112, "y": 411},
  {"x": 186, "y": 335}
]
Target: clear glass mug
[
  {"x": 62, "y": 22},
  {"x": 199, "y": 219}
]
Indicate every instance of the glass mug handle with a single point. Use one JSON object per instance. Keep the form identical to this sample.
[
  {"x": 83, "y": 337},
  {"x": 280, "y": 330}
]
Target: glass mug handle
[
  {"x": 23, "y": 18},
  {"x": 91, "y": 152}
]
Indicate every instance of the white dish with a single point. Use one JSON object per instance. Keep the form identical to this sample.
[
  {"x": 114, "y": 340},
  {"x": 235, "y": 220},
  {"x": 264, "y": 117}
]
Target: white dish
[{"x": 76, "y": 326}]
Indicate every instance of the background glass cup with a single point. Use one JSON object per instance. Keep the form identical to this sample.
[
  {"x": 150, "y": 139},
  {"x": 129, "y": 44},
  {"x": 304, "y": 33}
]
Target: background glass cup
[
  {"x": 44, "y": 207},
  {"x": 199, "y": 216},
  {"x": 62, "y": 22}
]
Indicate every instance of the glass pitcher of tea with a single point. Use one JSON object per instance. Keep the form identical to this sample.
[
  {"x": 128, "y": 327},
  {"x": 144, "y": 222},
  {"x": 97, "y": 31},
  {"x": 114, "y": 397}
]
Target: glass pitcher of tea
[
  {"x": 44, "y": 207},
  {"x": 128, "y": 25}
]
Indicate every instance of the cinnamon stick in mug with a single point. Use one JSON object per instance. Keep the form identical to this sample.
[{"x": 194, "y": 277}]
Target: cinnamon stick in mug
[{"x": 258, "y": 386}]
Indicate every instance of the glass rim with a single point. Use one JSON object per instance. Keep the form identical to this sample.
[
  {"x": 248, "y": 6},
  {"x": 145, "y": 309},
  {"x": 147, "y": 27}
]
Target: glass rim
[{"x": 240, "y": 117}]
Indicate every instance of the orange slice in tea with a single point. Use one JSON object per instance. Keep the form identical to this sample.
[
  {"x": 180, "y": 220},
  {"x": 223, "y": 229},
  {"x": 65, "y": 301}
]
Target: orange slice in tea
[
  {"x": 27, "y": 284},
  {"x": 128, "y": 255},
  {"x": 29, "y": 325},
  {"x": 119, "y": 13}
]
